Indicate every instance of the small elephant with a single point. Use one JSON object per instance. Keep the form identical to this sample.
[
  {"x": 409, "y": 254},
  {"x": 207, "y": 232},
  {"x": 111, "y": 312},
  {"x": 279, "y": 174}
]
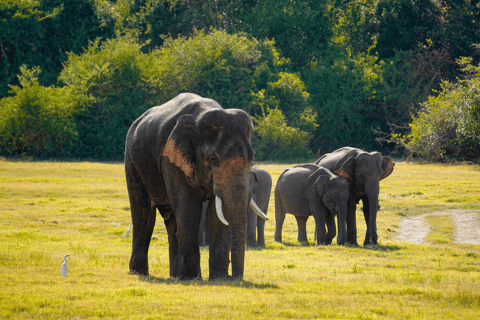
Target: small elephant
[
  {"x": 260, "y": 184},
  {"x": 260, "y": 188},
  {"x": 366, "y": 170},
  {"x": 177, "y": 156},
  {"x": 308, "y": 189}
]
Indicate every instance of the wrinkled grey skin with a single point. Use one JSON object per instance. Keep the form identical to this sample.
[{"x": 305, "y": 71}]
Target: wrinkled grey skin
[
  {"x": 177, "y": 156},
  {"x": 260, "y": 187},
  {"x": 309, "y": 189},
  {"x": 366, "y": 170}
]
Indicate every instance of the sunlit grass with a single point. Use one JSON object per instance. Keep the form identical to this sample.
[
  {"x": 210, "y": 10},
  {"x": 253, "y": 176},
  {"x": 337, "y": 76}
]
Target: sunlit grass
[
  {"x": 442, "y": 229},
  {"x": 48, "y": 209}
]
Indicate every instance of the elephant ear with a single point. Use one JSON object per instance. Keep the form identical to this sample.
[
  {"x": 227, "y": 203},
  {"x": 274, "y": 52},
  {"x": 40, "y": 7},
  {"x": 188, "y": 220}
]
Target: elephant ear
[
  {"x": 254, "y": 174},
  {"x": 179, "y": 147},
  {"x": 346, "y": 169},
  {"x": 318, "y": 181},
  {"x": 387, "y": 167}
]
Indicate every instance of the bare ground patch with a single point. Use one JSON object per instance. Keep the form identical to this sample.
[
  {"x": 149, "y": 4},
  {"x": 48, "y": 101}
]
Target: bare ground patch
[{"x": 467, "y": 227}]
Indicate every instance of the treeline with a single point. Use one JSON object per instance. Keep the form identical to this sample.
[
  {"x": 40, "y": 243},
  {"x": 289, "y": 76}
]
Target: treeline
[{"x": 314, "y": 75}]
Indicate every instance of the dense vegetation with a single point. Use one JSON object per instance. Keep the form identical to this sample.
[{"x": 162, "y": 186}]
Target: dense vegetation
[{"x": 314, "y": 75}]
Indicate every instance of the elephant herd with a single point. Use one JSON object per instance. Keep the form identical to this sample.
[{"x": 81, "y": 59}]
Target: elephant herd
[{"x": 192, "y": 160}]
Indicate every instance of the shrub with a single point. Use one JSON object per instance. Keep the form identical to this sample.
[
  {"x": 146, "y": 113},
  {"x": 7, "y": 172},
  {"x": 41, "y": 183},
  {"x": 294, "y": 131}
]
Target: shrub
[
  {"x": 448, "y": 127},
  {"x": 37, "y": 120},
  {"x": 275, "y": 140},
  {"x": 107, "y": 81}
]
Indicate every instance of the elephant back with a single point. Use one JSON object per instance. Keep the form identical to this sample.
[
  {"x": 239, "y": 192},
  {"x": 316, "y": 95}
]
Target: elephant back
[{"x": 333, "y": 161}]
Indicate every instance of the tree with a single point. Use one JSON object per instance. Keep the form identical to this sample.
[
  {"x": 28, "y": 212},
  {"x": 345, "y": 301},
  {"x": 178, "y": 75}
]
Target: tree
[
  {"x": 448, "y": 126},
  {"x": 40, "y": 33}
]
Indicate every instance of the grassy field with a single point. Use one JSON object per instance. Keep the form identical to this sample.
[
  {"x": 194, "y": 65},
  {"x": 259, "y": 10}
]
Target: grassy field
[{"x": 48, "y": 209}]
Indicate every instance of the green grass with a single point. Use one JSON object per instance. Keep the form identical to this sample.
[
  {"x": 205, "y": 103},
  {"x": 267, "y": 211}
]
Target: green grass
[
  {"x": 48, "y": 209},
  {"x": 442, "y": 229}
]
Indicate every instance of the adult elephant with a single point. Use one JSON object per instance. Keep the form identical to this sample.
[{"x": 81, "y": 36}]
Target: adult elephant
[
  {"x": 178, "y": 155},
  {"x": 366, "y": 170},
  {"x": 260, "y": 186},
  {"x": 308, "y": 189}
]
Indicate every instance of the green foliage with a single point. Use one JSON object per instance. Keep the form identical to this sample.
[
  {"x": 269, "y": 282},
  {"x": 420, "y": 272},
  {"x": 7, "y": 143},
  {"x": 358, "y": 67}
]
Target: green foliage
[
  {"x": 301, "y": 29},
  {"x": 448, "y": 128},
  {"x": 363, "y": 66},
  {"x": 109, "y": 85},
  {"x": 277, "y": 141},
  {"x": 40, "y": 33},
  {"x": 345, "y": 94},
  {"x": 37, "y": 120},
  {"x": 215, "y": 65},
  {"x": 403, "y": 23}
]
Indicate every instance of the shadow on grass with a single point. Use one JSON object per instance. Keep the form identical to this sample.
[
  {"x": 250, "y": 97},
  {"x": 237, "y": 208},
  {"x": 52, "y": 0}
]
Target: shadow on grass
[
  {"x": 382, "y": 248},
  {"x": 298, "y": 244},
  {"x": 225, "y": 282},
  {"x": 374, "y": 247}
]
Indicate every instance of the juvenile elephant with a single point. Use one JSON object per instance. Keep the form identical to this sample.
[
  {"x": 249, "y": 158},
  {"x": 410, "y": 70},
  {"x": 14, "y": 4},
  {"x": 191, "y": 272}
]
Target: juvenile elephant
[
  {"x": 366, "y": 170},
  {"x": 260, "y": 187},
  {"x": 178, "y": 155},
  {"x": 309, "y": 189},
  {"x": 260, "y": 184}
]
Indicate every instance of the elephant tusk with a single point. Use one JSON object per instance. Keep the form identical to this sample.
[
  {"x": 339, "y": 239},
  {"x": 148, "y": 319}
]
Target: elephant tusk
[
  {"x": 257, "y": 210},
  {"x": 218, "y": 207}
]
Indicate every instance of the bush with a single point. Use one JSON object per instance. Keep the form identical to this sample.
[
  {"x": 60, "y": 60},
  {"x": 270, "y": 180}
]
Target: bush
[
  {"x": 37, "y": 120},
  {"x": 448, "y": 127},
  {"x": 108, "y": 82},
  {"x": 215, "y": 65},
  {"x": 274, "y": 140}
]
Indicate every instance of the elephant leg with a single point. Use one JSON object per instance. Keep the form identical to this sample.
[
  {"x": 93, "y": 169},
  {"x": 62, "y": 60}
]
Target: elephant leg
[
  {"x": 332, "y": 230},
  {"x": 279, "y": 218},
  {"x": 171, "y": 226},
  {"x": 251, "y": 228},
  {"x": 370, "y": 207},
  {"x": 319, "y": 212},
  {"x": 351, "y": 221},
  {"x": 188, "y": 248},
  {"x": 261, "y": 232},
  {"x": 203, "y": 232},
  {"x": 320, "y": 231},
  {"x": 143, "y": 220},
  {"x": 219, "y": 246},
  {"x": 302, "y": 228}
]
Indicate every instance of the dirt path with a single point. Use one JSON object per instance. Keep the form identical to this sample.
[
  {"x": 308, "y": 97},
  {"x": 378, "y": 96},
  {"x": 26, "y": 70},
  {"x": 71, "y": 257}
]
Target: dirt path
[{"x": 467, "y": 227}]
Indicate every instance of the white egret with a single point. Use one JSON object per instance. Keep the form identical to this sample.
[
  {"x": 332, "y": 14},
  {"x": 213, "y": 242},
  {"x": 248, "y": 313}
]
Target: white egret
[
  {"x": 128, "y": 230},
  {"x": 63, "y": 268}
]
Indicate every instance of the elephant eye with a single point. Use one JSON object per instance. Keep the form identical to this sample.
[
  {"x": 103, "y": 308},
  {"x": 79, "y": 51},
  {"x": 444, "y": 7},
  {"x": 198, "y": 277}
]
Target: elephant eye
[{"x": 213, "y": 159}]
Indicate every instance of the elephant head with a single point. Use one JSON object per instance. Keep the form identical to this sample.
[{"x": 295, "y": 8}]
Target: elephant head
[{"x": 214, "y": 151}]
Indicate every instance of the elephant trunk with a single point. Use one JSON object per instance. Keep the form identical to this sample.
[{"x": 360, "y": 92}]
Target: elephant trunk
[
  {"x": 231, "y": 187},
  {"x": 370, "y": 212}
]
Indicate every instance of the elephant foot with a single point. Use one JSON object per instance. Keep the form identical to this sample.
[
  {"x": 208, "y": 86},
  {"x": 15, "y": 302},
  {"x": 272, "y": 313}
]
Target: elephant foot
[
  {"x": 224, "y": 278},
  {"x": 139, "y": 272},
  {"x": 352, "y": 244},
  {"x": 369, "y": 241},
  {"x": 187, "y": 278}
]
